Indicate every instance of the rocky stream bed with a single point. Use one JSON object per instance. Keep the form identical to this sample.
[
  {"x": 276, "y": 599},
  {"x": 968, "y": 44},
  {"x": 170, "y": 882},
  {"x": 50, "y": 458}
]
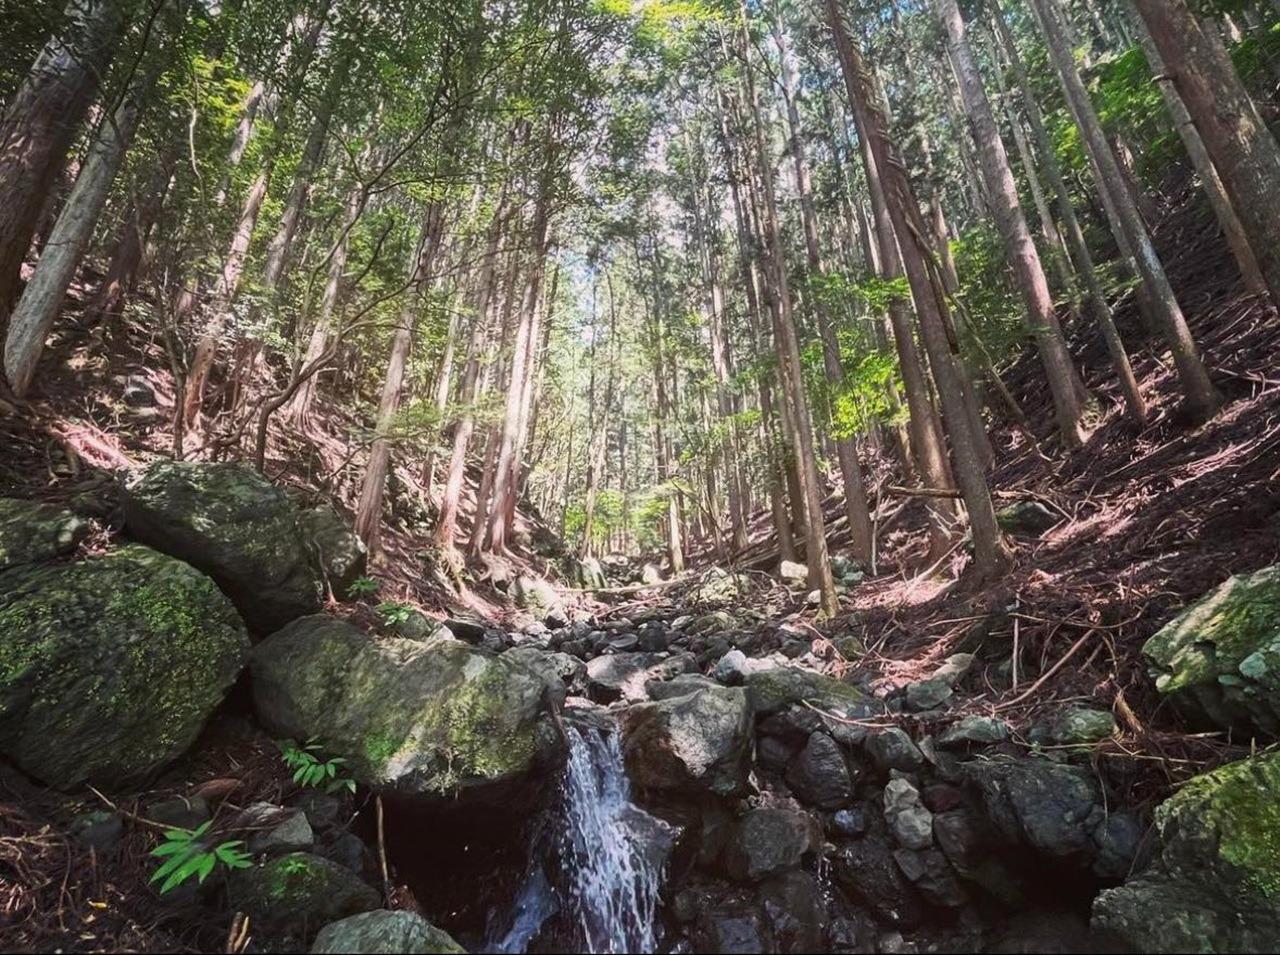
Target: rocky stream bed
[{"x": 688, "y": 775}]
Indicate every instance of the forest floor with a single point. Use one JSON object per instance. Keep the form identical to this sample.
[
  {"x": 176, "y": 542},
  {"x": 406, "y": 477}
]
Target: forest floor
[{"x": 1149, "y": 519}]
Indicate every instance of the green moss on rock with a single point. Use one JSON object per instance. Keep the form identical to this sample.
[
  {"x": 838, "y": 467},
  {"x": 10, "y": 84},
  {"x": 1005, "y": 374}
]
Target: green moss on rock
[
  {"x": 298, "y": 893},
  {"x": 109, "y": 667},
  {"x": 1219, "y": 660},
  {"x": 31, "y": 533}
]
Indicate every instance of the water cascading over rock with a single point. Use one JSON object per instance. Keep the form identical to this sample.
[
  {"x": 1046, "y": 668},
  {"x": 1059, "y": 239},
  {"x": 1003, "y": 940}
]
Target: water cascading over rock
[{"x": 596, "y": 866}]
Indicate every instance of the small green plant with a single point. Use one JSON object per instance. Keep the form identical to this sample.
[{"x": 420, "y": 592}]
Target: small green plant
[
  {"x": 311, "y": 771},
  {"x": 393, "y": 612},
  {"x": 187, "y": 853},
  {"x": 362, "y": 587}
]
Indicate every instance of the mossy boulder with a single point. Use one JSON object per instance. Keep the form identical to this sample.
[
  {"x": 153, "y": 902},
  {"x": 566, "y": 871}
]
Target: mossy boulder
[
  {"x": 1215, "y": 883},
  {"x": 432, "y": 717},
  {"x": 698, "y": 742},
  {"x": 775, "y": 688},
  {"x": 110, "y": 666},
  {"x": 342, "y": 555},
  {"x": 1219, "y": 660},
  {"x": 299, "y": 893},
  {"x": 383, "y": 931},
  {"x": 31, "y": 533},
  {"x": 232, "y": 523}
]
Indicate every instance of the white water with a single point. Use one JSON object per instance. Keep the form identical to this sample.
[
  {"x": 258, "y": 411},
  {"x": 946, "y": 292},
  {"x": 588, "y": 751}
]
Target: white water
[{"x": 592, "y": 871}]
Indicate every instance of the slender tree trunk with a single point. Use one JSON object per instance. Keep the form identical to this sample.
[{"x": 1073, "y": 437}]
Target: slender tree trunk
[
  {"x": 1231, "y": 147},
  {"x": 1020, "y": 249},
  {"x": 990, "y": 551},
  {"x": 41, "y": 121},
  {"x": 1202, "y": 398}
]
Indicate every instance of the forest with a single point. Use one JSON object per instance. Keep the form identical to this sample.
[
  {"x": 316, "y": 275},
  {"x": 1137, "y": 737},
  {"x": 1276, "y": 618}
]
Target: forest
[{"x": 639, "y": 476}]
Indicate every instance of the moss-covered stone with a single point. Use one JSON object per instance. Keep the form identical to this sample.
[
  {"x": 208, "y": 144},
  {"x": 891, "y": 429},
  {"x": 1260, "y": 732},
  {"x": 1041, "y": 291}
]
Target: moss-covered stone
[
  {"x": 425, "y": 717},
  {"x": 776, "y": 688},
  {"x": 381, "y": 931},
  {"x": 342, "y": 555},
  {"x": 298, "y": 893},
  {"x": 1215, "y": 885},
  {"x": 1219, "y": 660},
  {"x": 1081, "y": 726},
  {"x": 32, "y": 532},
  {"x": 109, "y": 667},
  {"x": 232, "y": 523}
]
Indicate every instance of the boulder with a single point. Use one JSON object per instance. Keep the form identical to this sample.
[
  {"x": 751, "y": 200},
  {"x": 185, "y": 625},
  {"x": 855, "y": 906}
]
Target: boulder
[
  {"x": 767, "y": 841},
  {"x": 298, "y": 893},
  {"x": 933, "y": 877},
  {"x": 867, "y": 871},
  {"x": 819, "y": 776},
  {"x": 1215, "y": 883},
  {"x": 974, "y": 731},
  {"x": 232, "y": 523},
  {"x": 535, "y": 594},
  {"x": 775, "y": 688},
  {"x": 892, "y": 748},
  {"x": 1026, "y": 518},
  {"x": 1219, "y": 660},
  {"x": 698, "y": 742},
  {"x": 31, "y": 533},
  {"x": 382, "y": 932},
  {"x": 927, "y": 694},
  {"x": 423, "y": 718},
  {"x": 553, "y": 666},
  {"x": 587, "y": 574},
  {"x": 795, "y": 907},
  {"x": 342, "y": 555},
  {"x": 110, "y": 666}
]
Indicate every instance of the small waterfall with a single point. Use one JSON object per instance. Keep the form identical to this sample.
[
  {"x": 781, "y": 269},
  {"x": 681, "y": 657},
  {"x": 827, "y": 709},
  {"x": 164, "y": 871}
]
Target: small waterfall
[{"x": 596, "y": 869}]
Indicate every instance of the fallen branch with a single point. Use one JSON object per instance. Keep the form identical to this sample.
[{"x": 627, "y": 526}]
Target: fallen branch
[{"x": 1048, "y": 673}]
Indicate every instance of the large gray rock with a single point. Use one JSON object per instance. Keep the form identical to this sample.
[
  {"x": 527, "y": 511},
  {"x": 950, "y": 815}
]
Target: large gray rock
[
  {"x": 32, "y": 532},
  {"x": 342, "y": 555},
  {"x": 1215, "y": 883},
  {"x": 232, "y": 523},
  {"x": 298, "y": 893},
  {"x": 382, "y": 932},
  {"x": 429, "y": 717},
  {"x": 698, "y": 742},
  {"x": 622, "y": 676},
  {"x": 1219, "y": 660},
  {"x": 110, "y": 666},
  {"x": 767, "y": 841}
]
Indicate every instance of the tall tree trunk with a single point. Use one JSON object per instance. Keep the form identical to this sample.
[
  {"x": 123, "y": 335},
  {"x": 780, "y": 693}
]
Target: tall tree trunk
[
  {"x": 1020, "y": 249},
  {"x": 1202, "y": 398},
  {"x": 991, "y": 554},
  {"x": 41, "y": 121},
  {"x": 1232, "y": 149}
]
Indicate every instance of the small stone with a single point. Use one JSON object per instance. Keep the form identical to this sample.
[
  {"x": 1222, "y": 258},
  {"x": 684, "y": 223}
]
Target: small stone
[
  {"x": 909, "y": 821},
  {"x": 382, "y": 932},
  {"x": 99, "y": 829},
  {"x": 974, "y": 731},
  {"x": 819, "y": 775},
  {"x": 927, "y": 695},
  {"x": 275, "y": 829},
  {"x": 180, "y": 812},
  {"x": 793, "y": 572},
  {"x": 894, "y": 749},
  {"x": 1082, "y": 727},
  {"x": 932, "y": 876},
  {"x": 731, "y": 669},
  {"x": 850, "y": 822}
]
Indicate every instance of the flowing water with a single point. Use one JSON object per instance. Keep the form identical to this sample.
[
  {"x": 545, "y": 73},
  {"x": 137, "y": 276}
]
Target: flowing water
[{"x": 591, "y": 881}]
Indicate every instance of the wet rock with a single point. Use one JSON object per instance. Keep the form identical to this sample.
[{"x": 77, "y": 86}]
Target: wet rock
[
  {"x": 382, "y": 931},
  {"x": 795, "y": 911},
  {"x": 773, "y": 753},
  {"x": 1118, "y": 841},
  {"x": 296, "y": 894},
  {"x": 894, "y": 749},
  {"x": 1082, "y": 727},
  {"x": 1216, "y": 877},
  {"x": 1026, "y": 518},
  {"x": 423, "y": 718},
  {"x": 732, "y": 927},
  {"x": 929, "y": 872},
  {"x": 31, "y": 533},
  {"x": 230, "y": 522},
  {"x": 927, "y": 695},
  {"x": 1052, "y": 807},
  {"x": 852, "y": 933},
  {"x": 974, "y": 731},
  {"x": 819, "y": 776},
  {"x": 867, "y": 871},
  {"x": 909, "y": 821},
  {"x": 98, "y": 829},
  {"x": 1219, "y": 660},
  {"x": 110, "y": 666},
  {"x": 970, "y": 845},
  {"x": 767, "y": 841},
  {"x": 343, "y": 556},
  {"x": 850, "y": 822},
  {"x": 700, "y": 742}
]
